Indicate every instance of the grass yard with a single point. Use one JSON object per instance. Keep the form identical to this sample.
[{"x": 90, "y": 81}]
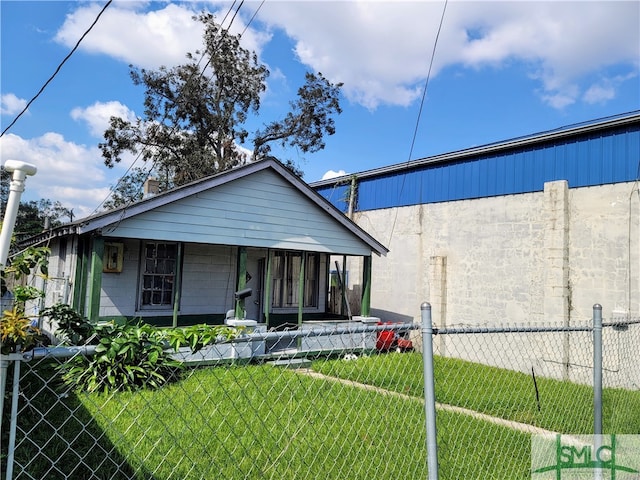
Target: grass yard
[
  {"x": 264, "y": 422},
  {"x": 564, "y": 407}
]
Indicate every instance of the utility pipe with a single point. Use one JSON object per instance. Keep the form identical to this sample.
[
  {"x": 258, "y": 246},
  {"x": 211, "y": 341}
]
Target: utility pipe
[{"x": 20, "y": 171}]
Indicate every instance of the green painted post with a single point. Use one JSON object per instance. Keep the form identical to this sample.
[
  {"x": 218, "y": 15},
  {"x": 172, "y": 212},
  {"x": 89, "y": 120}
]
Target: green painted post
[
  {"x": 242, "y": 279},
  {"x": 177, "y": 286},
  {"x": 366, "y": 290},
  {"x": 95, "y": 280},
  {"x": 267, "y": 290},
  {"x": 303, "y": 260},
  {"x": 80, "y": 278}
]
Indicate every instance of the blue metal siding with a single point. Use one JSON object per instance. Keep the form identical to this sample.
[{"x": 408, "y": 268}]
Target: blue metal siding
[{"x": 603, "y": 157}]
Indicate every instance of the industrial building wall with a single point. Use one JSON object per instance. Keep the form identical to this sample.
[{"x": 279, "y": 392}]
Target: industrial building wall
[{"x": 528, "y": 258}]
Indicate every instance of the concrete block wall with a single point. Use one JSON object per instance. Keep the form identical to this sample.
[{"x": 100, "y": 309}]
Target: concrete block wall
[{"x": 536, "y": 258}]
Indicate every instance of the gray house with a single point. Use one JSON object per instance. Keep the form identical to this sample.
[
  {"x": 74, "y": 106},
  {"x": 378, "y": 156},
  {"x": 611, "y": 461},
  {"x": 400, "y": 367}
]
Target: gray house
[{"x": 255, "y": 240}]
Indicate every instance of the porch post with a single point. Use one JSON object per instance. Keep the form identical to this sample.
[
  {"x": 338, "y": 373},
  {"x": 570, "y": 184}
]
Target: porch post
[
  {"x": 366, "y": 289},
  {"x": 80, "y": 277},
  {"x": 177, "y": 285},
  {"x": 266, "y": 305},
  {"x": 303, "y": 260},
  {"x": 345, "y": 300},
  {"x": 242, "y": 279},
  {"x": 95, "y": 280}
]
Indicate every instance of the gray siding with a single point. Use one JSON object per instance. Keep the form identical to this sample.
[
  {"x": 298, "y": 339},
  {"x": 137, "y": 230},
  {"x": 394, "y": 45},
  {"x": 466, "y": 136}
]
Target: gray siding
[
  {"x": 261, "y": 210},
  {"x": 208, "y": 279}
]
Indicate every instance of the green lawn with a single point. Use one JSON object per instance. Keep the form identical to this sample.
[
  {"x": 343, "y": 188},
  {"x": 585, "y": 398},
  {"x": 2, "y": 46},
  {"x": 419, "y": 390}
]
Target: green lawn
[
  {"x": 564, "y": 407},
  {"x": 265, "y": 422},
  {"x": 261, "y": 422}
]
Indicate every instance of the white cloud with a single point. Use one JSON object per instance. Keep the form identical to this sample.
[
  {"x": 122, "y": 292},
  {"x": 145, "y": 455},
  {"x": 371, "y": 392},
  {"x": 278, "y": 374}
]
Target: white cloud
[
  {"x": 97, "y": 115},
  {"x": 11, "y": 104},
  {"x": 146, "y": 39},
  {"x": 605, "y": 89},
  {"x": 333, "y": 174},
  {"x": 381, "y": 50},
  {"x": 71, "y": 173}
]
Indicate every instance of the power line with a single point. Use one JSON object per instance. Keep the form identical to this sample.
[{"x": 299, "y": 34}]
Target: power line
[
  {"x": 57, "y": 69},
  {"x": 424, "y": 95}
]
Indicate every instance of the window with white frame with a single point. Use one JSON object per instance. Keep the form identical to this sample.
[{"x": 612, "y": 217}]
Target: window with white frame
[
  {"x": 286, "y": 279},
  {"x": 158, "y": 274}
]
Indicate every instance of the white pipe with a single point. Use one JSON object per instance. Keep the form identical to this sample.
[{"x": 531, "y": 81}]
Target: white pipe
[{"x": 20, "y": 171}]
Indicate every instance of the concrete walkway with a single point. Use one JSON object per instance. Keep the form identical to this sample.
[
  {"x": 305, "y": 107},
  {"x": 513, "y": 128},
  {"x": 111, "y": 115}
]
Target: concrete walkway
[{"x": 521, "y": 427}]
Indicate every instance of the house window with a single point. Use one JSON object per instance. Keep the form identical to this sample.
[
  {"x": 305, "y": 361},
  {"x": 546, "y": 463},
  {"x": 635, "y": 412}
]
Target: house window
[
  {"x": 158, "y": 274},
  {"x": 286, "y": 279}
]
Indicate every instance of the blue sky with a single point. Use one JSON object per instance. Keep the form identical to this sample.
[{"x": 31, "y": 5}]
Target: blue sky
[{"x": 500, "y": 70}]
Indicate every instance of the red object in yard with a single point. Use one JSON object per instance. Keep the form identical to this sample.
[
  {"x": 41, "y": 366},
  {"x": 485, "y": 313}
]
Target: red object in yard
[
  {"x": 405, "y": 345},
  {"x": 387, "y": 339}
]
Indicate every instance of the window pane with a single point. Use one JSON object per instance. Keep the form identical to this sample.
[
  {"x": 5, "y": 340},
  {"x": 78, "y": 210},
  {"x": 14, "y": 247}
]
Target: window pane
[
  {"x": 159, "y": 269},
  {"x": 286, "y": 279}
]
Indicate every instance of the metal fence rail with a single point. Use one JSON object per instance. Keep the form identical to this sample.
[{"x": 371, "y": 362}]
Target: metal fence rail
[{"x": 326, "y": 401}]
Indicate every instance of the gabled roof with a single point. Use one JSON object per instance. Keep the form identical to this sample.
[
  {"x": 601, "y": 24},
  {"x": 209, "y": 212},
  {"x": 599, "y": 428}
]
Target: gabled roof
[{"x": 118, "y": 222}]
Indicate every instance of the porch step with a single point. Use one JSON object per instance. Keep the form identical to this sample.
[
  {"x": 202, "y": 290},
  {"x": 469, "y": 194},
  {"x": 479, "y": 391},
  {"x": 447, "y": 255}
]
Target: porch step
[{"x": 292, "y": 363}]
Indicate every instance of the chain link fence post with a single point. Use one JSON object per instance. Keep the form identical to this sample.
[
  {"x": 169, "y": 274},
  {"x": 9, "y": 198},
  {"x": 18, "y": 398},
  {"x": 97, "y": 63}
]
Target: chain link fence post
[
  {"x": 597, "y": 369},
  {"x": 429, "y": 391}
]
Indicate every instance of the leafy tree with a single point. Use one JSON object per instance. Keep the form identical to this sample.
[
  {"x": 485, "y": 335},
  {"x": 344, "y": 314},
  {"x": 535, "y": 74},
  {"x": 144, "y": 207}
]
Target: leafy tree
[
  {"x": 128, "y": 189},
  {"x": 194, "y": 115},
  {"x": 311, "y": 116},
  {"x": 32, "y": 217},
  {"x": 5, "y": 180}
]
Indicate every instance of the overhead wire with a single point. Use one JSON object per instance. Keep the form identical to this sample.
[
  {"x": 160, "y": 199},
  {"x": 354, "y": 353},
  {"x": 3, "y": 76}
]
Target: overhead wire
[
  {"x": 73, "y": 50},
  {"x": 420, "y": 109}
]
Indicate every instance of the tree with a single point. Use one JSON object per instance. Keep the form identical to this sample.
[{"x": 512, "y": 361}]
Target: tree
[
  {"x": 34, "y": 216},
  {"x": 194, "y": 116},
  {"x": 128, "y": 189},
  {"x": 310, "y": 118}
]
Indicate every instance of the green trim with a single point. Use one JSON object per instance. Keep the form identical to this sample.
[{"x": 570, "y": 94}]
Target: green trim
[
  {"x": 267, "y": 290},
  {"x": 95, "y": 281},
  {"x": 80, "y": 277},
  {"x": 366, "y": 291},
  {"x": 344, "y": 310},
  {"x": 301, "y": 279},
  {"x": 242, "y": 279}
]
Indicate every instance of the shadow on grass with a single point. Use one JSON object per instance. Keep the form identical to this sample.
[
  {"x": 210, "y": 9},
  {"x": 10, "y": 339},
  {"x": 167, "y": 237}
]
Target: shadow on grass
[{"x": 56, "y": 437}]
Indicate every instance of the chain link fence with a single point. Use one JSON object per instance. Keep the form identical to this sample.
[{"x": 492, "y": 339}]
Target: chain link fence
[{"x": 342, "y": 401}]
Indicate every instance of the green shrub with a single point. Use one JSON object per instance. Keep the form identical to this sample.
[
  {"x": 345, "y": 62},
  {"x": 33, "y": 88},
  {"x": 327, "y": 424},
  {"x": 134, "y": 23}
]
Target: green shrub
[
  {"x": 198, "y": 336},
  {"x": 127, "y": 357},
  {"x": 72, "y": 327}
]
